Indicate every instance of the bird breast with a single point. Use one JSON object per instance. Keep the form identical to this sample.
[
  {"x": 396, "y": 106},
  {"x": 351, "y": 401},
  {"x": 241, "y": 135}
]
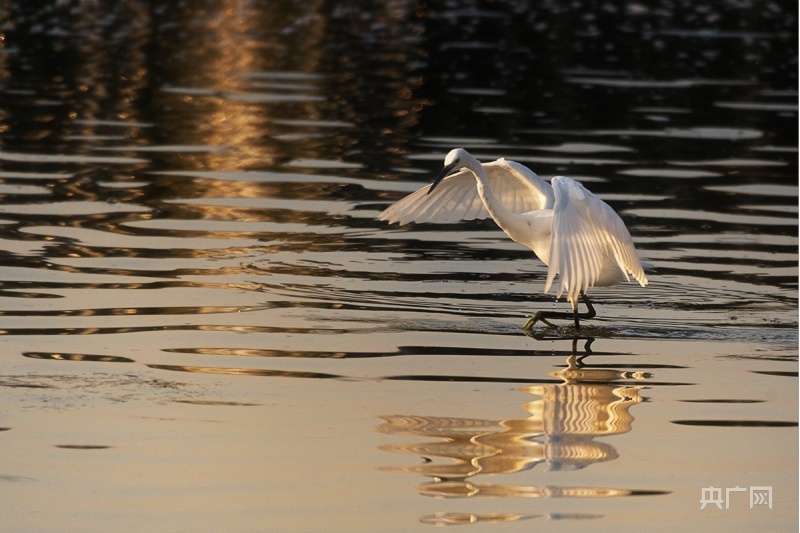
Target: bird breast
[{"x": 535, "y": 232}]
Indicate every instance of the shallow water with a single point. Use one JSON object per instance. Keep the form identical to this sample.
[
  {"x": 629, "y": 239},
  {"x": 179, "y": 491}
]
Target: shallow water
[{"x": 205, "y": 327}]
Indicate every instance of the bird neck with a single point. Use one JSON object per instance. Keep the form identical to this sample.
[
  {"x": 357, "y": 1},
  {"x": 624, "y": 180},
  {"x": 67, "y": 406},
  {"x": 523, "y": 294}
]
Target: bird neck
[{"x": 512, "y": 223}]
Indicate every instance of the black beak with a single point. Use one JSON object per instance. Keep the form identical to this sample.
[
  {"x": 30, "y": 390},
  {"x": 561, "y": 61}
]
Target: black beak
[{"x": 446, "y": 171}]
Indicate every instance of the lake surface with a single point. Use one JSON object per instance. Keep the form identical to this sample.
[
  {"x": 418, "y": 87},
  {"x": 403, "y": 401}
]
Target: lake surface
[{"x": 206, "y": 328}]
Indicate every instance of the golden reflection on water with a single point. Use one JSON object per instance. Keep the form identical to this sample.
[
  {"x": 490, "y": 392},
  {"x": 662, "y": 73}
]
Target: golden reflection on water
[
  {"x": 559, "y": 432},
  {"x": 263, "y": 101},
  {"x": 224, "y": 44},
  {"x": 460, "y": 519}
]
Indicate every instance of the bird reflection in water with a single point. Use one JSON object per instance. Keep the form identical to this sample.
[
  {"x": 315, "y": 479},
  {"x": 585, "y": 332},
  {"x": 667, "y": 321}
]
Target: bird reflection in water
[{"x": 559, "y": 432}]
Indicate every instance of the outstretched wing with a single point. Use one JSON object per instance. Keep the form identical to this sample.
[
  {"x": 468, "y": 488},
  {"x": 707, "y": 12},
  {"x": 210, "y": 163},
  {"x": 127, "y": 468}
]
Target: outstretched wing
[
  {"x": 588, "y": 239},
  {"x": 456, "y": 197}
]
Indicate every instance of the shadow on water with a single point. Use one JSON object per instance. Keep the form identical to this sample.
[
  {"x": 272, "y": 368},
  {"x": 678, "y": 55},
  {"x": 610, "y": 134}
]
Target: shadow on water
[{"x": 576, "y": 369}]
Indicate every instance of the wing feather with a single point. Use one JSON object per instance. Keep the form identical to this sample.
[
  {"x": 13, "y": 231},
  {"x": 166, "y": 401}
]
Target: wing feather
[
  {"x": 457, "y": 198},
  {"x": 588, "y": 241}
]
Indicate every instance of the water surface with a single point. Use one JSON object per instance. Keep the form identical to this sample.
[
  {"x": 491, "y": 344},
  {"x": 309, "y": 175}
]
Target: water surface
[{"x": 205, "y": 327}]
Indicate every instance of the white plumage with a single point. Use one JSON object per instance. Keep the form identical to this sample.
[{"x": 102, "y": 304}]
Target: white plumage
[
  {"x": 577, "y": 235},
  {"x": 457, "y": 198}
]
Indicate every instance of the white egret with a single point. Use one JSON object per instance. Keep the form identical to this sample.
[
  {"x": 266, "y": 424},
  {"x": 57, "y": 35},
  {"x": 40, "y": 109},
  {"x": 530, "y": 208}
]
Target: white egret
[{"x": 575, "y": 233}]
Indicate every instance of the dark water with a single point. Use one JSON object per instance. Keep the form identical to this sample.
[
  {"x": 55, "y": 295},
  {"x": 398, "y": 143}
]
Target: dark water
[{"x": 188, "y": 220}]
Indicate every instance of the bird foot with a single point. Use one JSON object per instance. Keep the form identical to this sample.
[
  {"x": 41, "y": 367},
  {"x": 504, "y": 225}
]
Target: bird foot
[
  {"x": 542, "y": 316},
  {"x": 538, "y": 317}
]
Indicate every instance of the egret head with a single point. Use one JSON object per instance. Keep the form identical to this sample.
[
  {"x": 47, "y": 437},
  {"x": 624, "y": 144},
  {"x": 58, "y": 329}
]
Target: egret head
[
  {"x": 453, "y": 156},
  {"x": 454, "y": 160}
]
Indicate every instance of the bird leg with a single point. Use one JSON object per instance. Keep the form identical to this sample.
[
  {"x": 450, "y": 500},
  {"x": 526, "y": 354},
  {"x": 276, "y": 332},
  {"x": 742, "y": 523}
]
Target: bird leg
[
  {"x": 589, "y": 314},
  {"x": 542, "y": 316}
]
